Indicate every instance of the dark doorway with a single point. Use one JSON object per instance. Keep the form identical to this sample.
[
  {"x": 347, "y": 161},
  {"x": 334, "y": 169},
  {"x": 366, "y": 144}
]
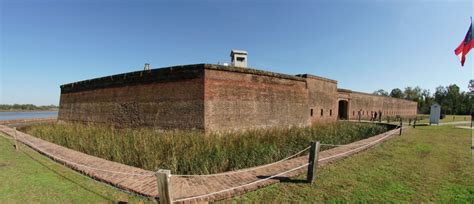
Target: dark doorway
[{"x": 343, "y": 108}]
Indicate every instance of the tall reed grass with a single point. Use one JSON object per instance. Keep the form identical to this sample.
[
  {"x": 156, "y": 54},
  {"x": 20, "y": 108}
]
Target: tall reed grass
[{"x": 195, "y": 152}]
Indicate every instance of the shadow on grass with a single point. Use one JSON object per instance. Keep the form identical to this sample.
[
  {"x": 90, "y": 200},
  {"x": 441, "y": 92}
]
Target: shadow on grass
[
  {"x": 423, "y": 124},
  {"x": 284, "y": 179}
]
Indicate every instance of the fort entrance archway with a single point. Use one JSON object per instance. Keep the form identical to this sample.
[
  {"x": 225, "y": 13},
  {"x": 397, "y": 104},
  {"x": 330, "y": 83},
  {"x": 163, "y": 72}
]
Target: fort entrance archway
[{"x": 343, "y": 110}]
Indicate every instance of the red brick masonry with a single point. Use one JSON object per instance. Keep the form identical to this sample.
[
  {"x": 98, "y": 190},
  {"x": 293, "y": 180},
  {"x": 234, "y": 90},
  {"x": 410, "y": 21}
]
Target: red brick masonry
[{"x": 184, "y": 188}]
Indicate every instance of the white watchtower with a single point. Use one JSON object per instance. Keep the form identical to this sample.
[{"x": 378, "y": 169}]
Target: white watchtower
[{"x": 238, "y": 58}]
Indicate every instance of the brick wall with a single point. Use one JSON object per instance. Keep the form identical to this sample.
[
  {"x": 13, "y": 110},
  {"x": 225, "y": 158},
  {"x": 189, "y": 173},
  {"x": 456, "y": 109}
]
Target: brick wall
[
  {"x": 170, "y": 98},
  {"x": 323, "y": 95},
  {"x": 216, "y": 98},
  {"x": 237, "y": 99},
  {"x": 368, "y": 104}
]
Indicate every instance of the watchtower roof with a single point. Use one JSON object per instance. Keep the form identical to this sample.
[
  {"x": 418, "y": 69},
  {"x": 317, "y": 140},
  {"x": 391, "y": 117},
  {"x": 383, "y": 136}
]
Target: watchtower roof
[{"x": 238, "y": 52}]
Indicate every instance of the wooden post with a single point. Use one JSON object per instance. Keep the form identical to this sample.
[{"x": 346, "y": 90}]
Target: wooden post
[
  {"x": 16, "y": 140},
  {"x": 409, "y": 122},
  {"x": 414, "y": 123},
  {"x": 471, "y": 120},
  {"x": 401, "y": 126},
  {"x": 163, "y": 179},
  {"x": 313, "y": 162}
]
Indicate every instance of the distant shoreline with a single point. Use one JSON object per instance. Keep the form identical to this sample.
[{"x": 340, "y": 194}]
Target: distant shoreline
[{"x": 13, "y": 110}]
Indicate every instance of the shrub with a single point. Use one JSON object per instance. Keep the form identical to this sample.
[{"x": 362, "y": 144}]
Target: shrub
[{"x": 195, "y": 152}]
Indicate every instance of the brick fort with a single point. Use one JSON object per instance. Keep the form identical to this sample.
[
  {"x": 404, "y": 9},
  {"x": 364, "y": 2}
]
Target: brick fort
[{"x": 217, "y": 98}]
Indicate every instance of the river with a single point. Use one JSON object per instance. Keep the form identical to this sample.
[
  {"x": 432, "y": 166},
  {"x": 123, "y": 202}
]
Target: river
[{"x": 27, "y": 115}]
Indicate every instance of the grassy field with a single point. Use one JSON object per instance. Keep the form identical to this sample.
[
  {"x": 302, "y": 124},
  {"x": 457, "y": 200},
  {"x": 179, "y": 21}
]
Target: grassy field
[
  {"x": 28, "y": 177},
  {"x": 426, "y": 164},
  {"x": 447, "y": 119},
  {"x": 194, "y": 152}
]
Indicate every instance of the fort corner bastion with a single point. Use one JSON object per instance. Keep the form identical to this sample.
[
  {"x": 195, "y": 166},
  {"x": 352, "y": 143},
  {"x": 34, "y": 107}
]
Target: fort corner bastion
[{"x": 216, "y": 98}]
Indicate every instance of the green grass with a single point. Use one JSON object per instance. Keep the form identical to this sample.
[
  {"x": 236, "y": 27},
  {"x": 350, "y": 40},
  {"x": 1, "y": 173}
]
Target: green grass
[
  {"x": 425, "y": 164},
  {"x": 447, "y": 119},
  {"x": 194, "y": 152},
  {"x": 28, "y": 177}
]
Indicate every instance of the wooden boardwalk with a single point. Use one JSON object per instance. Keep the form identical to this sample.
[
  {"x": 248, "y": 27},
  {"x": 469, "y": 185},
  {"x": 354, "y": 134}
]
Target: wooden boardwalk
[{"x": 189, "y": 188}]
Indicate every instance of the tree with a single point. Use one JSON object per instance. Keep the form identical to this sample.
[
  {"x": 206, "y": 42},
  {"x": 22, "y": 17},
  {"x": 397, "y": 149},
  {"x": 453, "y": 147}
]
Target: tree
[
  {"x": 453, "y": 98},
  {"x": 426, "y": 94},
  {"x": 440, "y": 97},
  {"x": 471, "y": 86},
  {"x": 425, "y": 104},
  {"x": 413, "y": 94},
  {"x": 440, "y": 94},
  {"x": 381, "y": 92},
  {"x": 397, "y": 93}
]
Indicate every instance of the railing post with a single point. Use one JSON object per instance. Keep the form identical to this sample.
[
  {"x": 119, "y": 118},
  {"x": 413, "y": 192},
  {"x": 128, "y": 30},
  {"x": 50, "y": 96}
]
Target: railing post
[
  {"x": 163, "y": 180},
  {"x": 313, "y": 162},
  {"x": 401, "y": 126},
  {"x": 16, "y": 140},
  {"x": 471, "y": 121}
]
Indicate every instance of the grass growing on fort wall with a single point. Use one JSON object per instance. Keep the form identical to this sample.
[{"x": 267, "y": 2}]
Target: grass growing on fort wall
[{"x": 195, "y": 152}]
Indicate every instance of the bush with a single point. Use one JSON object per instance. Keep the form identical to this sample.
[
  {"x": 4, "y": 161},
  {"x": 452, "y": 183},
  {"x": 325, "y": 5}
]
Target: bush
[{"x": 195, "y": 152}]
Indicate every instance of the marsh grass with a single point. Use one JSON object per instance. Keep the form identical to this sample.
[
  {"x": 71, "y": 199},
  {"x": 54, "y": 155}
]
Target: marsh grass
[{"x": 195, "y": 152}]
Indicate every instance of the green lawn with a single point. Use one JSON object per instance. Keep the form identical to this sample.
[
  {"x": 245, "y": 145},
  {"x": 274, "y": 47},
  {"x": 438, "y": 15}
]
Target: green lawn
[
  {"x": 426, "y": 164},
  {"x": 447, "y": 119},
  {"x": 28, "y": 177}
]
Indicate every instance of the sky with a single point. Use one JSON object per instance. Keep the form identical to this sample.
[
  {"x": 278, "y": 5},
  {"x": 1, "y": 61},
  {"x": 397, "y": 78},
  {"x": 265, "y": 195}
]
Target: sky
[{"x": 364, "y": 45}]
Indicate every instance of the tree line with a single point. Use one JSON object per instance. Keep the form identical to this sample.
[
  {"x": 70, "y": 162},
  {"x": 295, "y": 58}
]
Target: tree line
[
  {"x": 452, "y": 100},
  {"x": 26, "y": 107}
]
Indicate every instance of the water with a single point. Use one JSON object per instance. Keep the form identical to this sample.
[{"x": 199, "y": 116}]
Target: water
[{"x": 27, "y": 115}]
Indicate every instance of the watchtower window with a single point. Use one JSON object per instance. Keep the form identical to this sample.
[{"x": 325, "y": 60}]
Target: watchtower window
[
  {"x": 330, "y": 112},
  {"x": 353, "y": 113},
  {"x": 240, "y": 59},
  {"x": 321, "y": 112},
  {"x": 311, "y": 112}
]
